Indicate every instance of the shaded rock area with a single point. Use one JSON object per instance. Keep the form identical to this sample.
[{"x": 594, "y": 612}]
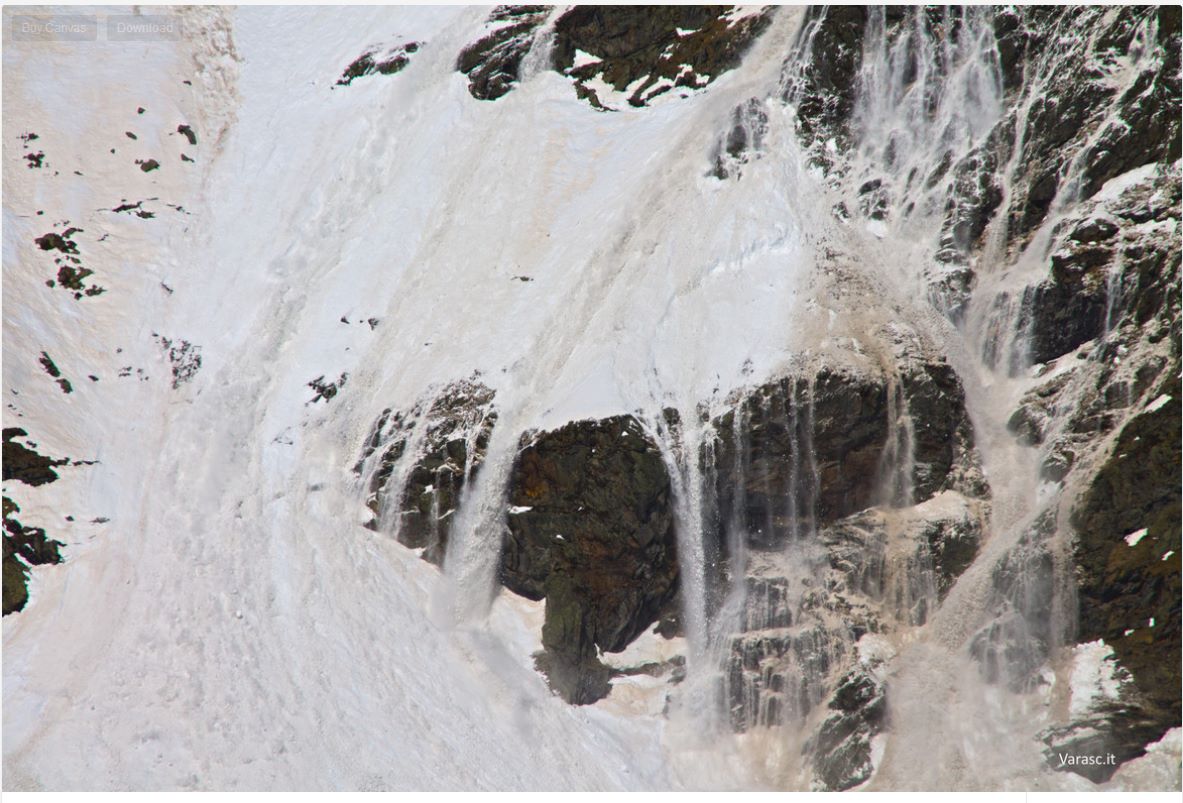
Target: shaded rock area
[
  {"x": 941, "y": 535},
  {"x": 419, "y": 463},
  {"x": 805, "y": 608},
  {"x": 1113, "y": 262},
  {"x": 1016, "y": 642},
  {"x": 493, "y": 63},
  {"x": 23, "y": 464},
  {"x": 841, "y": 749},
  {"x": 829, "y": 51},
  {"x": 647, "y": 51},
  {"x": 51, "y": 368},
  {"x": 799, "y": 452},
  {"x": 71, "y": 274},
  {"x": 321, "y": 390},
  {"x": 381, "y": 62},
  {"x": 1053, "y": 139},
  {"x": 1130, "y": 594},
  {"x": 23, "y": 547},
  {"x": 591, "y": 530},
  {"x": 1114, "y": 733},
  {"x": 774, "y": 675},
  {"x": 745, "y": 140},
  {"x": 639, "y": 52}
]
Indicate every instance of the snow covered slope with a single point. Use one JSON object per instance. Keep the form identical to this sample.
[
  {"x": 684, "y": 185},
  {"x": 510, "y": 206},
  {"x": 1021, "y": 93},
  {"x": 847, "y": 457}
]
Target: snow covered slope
[{"x": 303, "y": 254}]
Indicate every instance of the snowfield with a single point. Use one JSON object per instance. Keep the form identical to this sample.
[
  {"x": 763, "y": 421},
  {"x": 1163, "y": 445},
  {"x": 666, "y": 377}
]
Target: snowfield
[{"x": 222, "y": 619}]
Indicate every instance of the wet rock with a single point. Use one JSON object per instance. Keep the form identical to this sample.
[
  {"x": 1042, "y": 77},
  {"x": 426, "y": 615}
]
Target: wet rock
[
  {"x": 590, "y": 529},
  {"x": 841, "y": 749},
  {"x": 1129, "y": 595},
  {"x": 779, "y": 675},
  {"x": 798, "y": 453},
  {"x": 419, "y": 463},
  {"x": 903, "y": 561},
  {"x": 1015, "y": 643},
  {"x": 745, "y": 140},
  {"x": 1069, "y": 307},
  {"x": 1094, "y": 747},
  {"x": 795, "y": 453},
  {"x": 1037, "y": 410},
  {"x": 828, "y": 58}
]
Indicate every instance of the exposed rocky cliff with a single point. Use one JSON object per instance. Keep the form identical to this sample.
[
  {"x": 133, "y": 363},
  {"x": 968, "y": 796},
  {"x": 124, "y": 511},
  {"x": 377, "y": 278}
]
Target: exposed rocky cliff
[
  {"x": 634, "y": 53},
  {"x": 844, "y": 500}
]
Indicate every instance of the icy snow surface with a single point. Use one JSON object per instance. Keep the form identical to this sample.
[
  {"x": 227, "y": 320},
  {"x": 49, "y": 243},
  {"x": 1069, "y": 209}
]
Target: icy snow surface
[
  {"x": 232, "y": 626},
  {"x": 222, "y": 619}
]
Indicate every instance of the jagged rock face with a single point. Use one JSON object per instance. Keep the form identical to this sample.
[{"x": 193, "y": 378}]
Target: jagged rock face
[
  {"x": 23, "y": 547},
  {"x": 1128, "y": 552},
  {"x": 493, "y": 64},
  {"x": 24, "y": 464},
  {"x": 641, "y": 51},
  {"x": 387, "y": 62},
  {"x": 934, "y": 541},
  {"x": 443, "y": 446},
  {"x": 1111, "y": 263},
  {"x": 876, "y": 571},
  {"x": 591, "y": 531},
  {"x": 779, "y": 674},
  {"x": 1052, "y": 139},
  {"x": 823, "y": 91},
  {"x": 798, "y": 453},
  {"x": 651, "y": 50},
  {"x": 841, "y": 750}
]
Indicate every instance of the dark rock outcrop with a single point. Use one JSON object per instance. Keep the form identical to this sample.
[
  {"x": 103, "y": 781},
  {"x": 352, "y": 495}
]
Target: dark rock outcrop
[
  {"x": 647, "y": 50},
  {"x": 1129, "y": 594},
  {"x": 387, "y": 62},
  {"x": 23, "y": 547},
  {"x": 651, "y": 50},
  {"x": 419, "y": 463},
  {"x": 798, "y": 453},
  {"x": 493, "y": 63},
  {"x": 591, "y": 531},
  {"x": 841, "y": 749},
  {"x": 24, "y": 464}
]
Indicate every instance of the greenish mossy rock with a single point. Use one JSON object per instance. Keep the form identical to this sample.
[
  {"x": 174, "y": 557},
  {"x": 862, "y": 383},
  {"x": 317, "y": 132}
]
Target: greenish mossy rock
[{"x": 590, "y": 530}]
